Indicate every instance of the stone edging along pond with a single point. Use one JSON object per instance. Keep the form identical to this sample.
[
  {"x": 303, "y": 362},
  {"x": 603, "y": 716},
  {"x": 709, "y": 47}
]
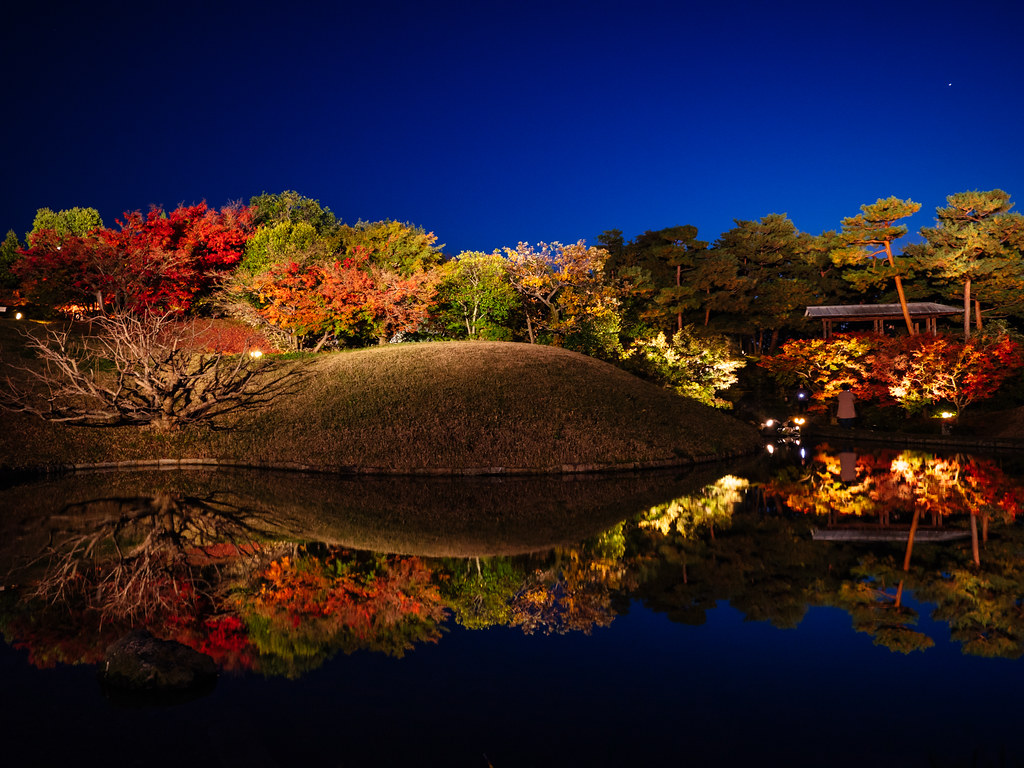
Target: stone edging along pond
[{"x": 939, "y": 442}]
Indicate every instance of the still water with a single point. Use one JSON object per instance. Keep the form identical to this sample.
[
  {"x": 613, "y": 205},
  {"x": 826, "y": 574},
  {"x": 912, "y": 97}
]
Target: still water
[{"x": 840, "y": 607}]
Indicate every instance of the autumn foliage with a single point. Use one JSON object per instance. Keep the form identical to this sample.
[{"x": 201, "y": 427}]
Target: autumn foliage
[
  {"x": 913, "y": 371},
  {"x": 154, "y": 262},
  {"x": 343, "y": 299}
]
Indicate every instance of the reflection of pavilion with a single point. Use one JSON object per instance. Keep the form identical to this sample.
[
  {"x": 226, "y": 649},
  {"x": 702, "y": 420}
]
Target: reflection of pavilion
[
  {"x": 855, "y": 529},
  {"x": 865, "y": 535}
]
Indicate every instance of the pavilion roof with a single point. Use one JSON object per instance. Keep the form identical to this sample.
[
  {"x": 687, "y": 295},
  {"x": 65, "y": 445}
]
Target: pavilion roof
[{"x": 881, "y": 311}]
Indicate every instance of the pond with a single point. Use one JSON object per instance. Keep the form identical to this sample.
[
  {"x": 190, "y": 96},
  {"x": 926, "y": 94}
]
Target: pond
[{"x": 826, "y": 606}]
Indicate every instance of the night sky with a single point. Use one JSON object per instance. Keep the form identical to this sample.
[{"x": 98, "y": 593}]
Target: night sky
[{"x": 491, "y": 122}]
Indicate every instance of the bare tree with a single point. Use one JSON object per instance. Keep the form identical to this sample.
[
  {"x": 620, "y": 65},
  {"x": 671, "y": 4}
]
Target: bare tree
[{"x": 135, "y": 369}]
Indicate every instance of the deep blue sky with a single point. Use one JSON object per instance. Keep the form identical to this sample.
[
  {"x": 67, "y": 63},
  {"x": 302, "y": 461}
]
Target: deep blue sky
[{"x": 491, "y": 122}]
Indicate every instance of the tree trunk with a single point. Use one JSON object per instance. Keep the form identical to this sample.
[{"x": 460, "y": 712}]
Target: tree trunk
[
  {"x": 910, "y": 540},
  {"x": 529, "y": 326},
  {"x": 975, "y": 551},
  {"x": 899, "y": 289},
  {"x": 320, "y": 344},
  {"x": 967, "y": 309},
  {"x": 679, "y": 282},
  {"x": 977, "y": 314}
]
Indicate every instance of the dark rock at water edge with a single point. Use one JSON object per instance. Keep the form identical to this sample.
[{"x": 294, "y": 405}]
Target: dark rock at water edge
[{"x": 142, "y": 664}]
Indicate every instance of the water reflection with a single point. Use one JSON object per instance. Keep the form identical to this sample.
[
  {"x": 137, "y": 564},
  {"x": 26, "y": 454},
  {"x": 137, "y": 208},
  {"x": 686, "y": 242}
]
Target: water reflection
[{"x": 271, "y": 573}]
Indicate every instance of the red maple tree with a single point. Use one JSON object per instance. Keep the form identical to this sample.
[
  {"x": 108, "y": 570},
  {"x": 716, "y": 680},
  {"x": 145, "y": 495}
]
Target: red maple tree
[{"x": 157, "y": 262}]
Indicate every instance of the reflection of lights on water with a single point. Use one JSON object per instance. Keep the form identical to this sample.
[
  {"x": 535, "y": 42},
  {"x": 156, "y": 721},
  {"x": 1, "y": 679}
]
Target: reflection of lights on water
[
  {"x": 900, "y": 465},
  {"x": 803, "y": 452},
  {"x": 770, "y": 423},
  {"x": 770, "y": 447}
]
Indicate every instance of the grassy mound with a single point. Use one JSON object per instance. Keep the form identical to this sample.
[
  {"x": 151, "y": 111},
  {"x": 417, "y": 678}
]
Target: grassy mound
[{"x": 437, "y": 407}]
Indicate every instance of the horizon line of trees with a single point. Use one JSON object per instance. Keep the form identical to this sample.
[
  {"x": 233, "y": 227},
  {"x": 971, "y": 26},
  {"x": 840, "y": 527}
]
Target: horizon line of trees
[{"x": 286, "y": 265}]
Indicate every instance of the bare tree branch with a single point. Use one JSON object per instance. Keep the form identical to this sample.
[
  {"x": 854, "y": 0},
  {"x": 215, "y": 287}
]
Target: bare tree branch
[{"x": 136, "y": 369}]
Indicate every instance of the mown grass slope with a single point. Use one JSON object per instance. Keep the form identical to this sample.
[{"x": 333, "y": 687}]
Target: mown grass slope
[{"x": 461, "y": 406}]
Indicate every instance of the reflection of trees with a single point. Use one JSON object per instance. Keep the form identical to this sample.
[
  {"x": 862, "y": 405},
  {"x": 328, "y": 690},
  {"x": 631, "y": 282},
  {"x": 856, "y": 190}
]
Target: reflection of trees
[
  {"x": 480, "y": 591},
  {"x": 871, "y": 595},
  {"x": 305, "y": 609},
  {"x": 891, "y": 485},
  {"x": 981, "y": 604},
  {"x": 573, "y": 590},
  {"x": 698, "y": 550},
  {"x": 194, "y": 566},
  {"x": 163, "y": 561},
  {"x": 152, "y": 556},
  {"x": 977, "y": 596},
  {"x": 687, "y": 514}
]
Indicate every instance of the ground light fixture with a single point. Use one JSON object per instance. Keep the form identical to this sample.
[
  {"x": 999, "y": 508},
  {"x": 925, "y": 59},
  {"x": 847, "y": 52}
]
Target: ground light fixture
[{"x": 256, "y": 354}]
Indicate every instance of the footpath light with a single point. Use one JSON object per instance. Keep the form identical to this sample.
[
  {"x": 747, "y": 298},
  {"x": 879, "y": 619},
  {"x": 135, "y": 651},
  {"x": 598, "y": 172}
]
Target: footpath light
[{"x": 946, "y": 423}]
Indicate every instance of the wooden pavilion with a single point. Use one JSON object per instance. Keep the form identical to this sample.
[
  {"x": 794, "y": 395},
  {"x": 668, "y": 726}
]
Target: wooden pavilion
[{"x": 880, "y": 314}]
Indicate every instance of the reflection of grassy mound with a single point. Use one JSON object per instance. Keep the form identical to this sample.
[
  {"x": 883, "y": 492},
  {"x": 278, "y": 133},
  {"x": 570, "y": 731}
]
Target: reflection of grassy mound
[
  {"x": 460, "y": 517},
  {"x": 424, "y": 407}
]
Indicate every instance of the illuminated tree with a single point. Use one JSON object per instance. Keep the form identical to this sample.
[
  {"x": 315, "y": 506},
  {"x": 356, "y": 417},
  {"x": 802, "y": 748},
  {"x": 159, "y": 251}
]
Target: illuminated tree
[
  {"x": 975, "y": 243},
  {"x": 929, "y": 369},
  {"x": 695, "y": 366},
  {"x": 823, "y": 365},
  {"x": 875, "y": 227},
  {"x": 474, "y": 298},
  {"x": 913, "y": 371},
  {"x": 341, "y": 300},
  {"x": 290, "y": 206},
  {"x": 160, "y": 262},
  {"x": 134, "y": 369},
  {"x": 74, "y": 222},
  {"x": 393, "y": 246},
  {"x": 562, "y": 286}
]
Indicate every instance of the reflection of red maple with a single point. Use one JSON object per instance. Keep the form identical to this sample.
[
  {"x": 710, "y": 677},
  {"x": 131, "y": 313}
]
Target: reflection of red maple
[
  {"x": 386, "y": 604},
  {"x": 888, "y": 483}
]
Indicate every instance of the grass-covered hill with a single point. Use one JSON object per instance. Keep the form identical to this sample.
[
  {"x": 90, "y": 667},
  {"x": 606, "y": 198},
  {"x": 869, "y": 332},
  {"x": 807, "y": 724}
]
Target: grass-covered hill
[{"x": 424, "y": 408}]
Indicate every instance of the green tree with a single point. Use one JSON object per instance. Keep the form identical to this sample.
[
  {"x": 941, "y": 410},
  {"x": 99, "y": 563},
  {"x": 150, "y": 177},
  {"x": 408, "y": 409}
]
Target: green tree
[
  {"x": 765, "y": 272},
  {"x": 291, "y": 206},
  {"x": 474, "y": 297},
  {"x": 657, "y": 276},
  {"x": 392, "y": 245},
  {"x": 875, "y": 227},
  {"x": 975, "y": 242},
  {"x": 71, "y": 222},
  {"x": 287, "y": 241},
  {"x": 8, "y": 255}
]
